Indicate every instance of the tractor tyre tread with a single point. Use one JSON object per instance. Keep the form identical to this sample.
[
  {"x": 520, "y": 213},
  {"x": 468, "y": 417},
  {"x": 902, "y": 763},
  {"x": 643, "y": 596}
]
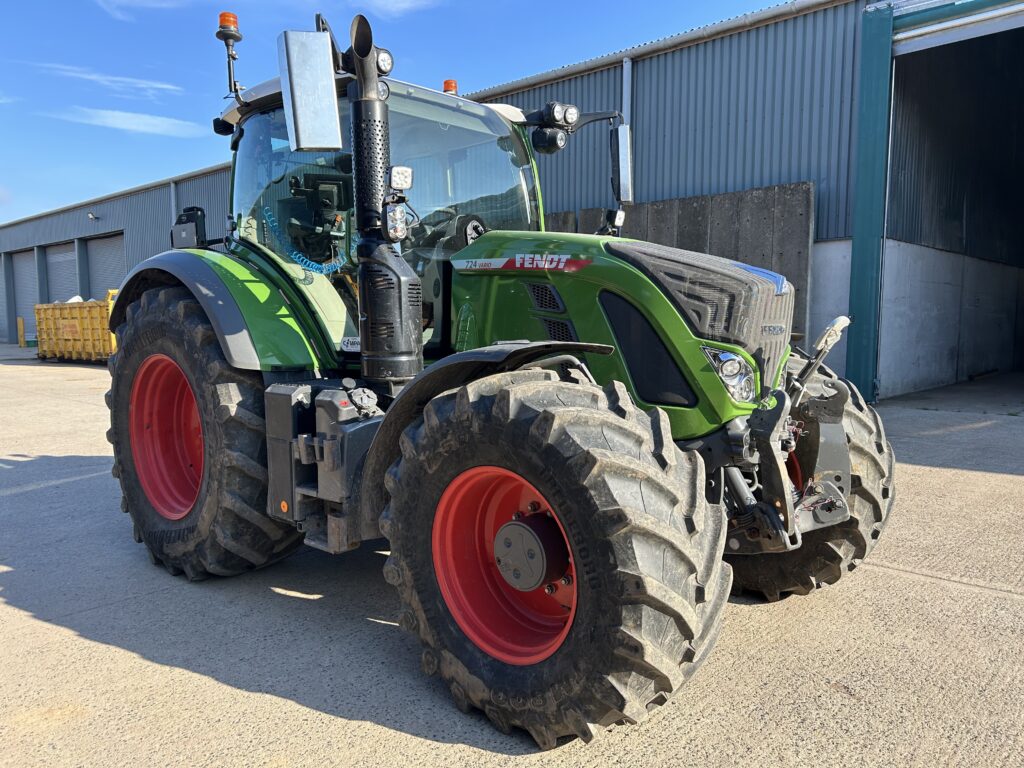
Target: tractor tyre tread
[
  {"x": 657, "y": 568},
  {"x": 229, "y": 531}
]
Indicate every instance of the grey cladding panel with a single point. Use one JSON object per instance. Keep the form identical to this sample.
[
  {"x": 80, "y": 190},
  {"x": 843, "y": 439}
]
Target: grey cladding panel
[{"x": 61, "y": 272}]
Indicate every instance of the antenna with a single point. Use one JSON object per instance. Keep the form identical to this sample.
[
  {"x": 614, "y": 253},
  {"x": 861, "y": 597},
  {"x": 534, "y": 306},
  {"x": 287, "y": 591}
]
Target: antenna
[{"x": 228, "y": 32}]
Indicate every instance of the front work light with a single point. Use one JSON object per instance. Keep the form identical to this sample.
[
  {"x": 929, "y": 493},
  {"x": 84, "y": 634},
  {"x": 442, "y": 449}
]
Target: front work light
[
  {"x": 395, "y": 216},
  {"x": 572, "y": 115},
  {"x": 385, "y": 62},
  {"x": 400, "y": 177},
  {"x": 735, "y": 373},
  {"x": 548, "y": 140}
]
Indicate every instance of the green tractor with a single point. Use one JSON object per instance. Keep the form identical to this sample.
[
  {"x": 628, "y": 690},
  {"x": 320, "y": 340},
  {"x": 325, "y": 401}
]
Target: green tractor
[{"x": 575, "y": 445}]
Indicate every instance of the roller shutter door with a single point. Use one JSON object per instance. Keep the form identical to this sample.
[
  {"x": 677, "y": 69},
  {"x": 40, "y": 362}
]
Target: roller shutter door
[
  {"x": 61, "y": 272},
  {"x": 106, "y": 264},
  {"x": 26, "y": 290},
  {"x": 3, "y": 308}
]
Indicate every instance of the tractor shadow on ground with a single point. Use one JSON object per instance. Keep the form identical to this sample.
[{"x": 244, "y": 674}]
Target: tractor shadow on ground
[{"x": 316, "y": 629}]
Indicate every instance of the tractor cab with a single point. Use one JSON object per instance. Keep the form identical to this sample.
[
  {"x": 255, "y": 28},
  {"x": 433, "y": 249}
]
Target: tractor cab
[{"x": 472, "y": 169}]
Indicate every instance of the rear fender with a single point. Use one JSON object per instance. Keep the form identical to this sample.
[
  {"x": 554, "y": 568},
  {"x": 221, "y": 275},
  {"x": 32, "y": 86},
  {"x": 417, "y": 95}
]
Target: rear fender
[
  {"x": 255, "y": 326},
  {"x": 449, "y": 372}
]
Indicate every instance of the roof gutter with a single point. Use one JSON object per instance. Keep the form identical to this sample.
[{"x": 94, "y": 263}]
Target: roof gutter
[{"x": 693, "y": 37}]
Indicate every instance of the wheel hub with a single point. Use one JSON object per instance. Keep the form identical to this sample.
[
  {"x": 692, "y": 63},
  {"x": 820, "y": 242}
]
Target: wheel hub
[
  {"x": 516, "y": 607},
  {"x": 166, "y": 436},
  {"x": 530, "y": 552}
]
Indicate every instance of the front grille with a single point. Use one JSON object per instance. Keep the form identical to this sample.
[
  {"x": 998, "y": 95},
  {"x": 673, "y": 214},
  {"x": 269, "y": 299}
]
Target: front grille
[{"x": 721, "y": 300}]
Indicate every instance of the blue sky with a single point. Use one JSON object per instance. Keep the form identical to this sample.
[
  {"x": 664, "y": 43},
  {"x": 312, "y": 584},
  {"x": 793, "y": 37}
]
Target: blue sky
[{"x": 101, "y": 95}]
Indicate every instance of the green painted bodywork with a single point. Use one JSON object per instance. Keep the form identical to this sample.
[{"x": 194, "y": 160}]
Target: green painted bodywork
[
  {"x": 493, "y": 304},
  {"x": 296, "y": 321}
]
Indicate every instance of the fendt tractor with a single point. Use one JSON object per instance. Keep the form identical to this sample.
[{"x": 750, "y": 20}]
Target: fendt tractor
[{"x": 575, "y": 445}]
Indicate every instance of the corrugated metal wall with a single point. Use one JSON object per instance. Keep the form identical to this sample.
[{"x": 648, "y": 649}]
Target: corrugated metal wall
[
  {"x": 578, "y": 176},
  {"x": 125, "y": 231},
  {"x": 209, "y": 192},
  {"x": 143, "y": 216},
  {"x": 771, "y": 105},
  {"x": 957, "y": 151}
]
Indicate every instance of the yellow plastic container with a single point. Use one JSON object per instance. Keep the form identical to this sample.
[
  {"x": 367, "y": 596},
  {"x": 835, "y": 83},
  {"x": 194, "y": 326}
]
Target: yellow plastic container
[{"x": 76, "y": 331}]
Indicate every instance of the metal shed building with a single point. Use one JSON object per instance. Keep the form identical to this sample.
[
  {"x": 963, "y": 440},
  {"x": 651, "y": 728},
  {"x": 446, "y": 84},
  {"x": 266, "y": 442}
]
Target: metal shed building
[
  {"x": 87, "y": 248},
  {"x": 904, "y": 118}
]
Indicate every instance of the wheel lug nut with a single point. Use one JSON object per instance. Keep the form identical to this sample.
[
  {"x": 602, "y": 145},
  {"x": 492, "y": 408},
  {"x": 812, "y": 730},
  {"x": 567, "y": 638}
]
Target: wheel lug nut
[
  {"x": 508, "y": 543},
  {"x": 530, "y": 554},
  {"x": 567, "y": 580},
  {"x": 517, "y": 515},
  {"x": 516, "y": 574},
  {"x": 534, "y": 506},
  {"x": 550, "y": 589}
]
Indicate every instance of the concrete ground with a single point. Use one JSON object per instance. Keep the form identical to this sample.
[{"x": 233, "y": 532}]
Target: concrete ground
[{"x": 915, "y": 659}]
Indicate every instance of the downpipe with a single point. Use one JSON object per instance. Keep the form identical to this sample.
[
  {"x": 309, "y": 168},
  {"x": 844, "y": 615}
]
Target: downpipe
[{"x": 390, "y": 294}]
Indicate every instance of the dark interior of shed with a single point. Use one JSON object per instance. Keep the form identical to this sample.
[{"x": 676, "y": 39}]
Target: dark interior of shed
[{"x": 956, "y": 187}]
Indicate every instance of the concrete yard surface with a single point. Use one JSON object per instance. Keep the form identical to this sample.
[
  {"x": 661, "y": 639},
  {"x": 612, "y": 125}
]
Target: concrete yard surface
[{"x": 914, "y": 659}]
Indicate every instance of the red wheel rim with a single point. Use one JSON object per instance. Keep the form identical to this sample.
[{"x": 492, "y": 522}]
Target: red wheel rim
[
  {"x": 512, "y": 626},
  {"x": 166, "y": 436},
  {"x": 796, "y": 475}
]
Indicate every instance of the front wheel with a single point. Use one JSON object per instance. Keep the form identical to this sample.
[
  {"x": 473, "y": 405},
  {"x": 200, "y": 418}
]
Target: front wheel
[
  {"x": 828, "y": 553},
  {"x": 189, "y": 443},
  {"x": 554, "y": 552}
]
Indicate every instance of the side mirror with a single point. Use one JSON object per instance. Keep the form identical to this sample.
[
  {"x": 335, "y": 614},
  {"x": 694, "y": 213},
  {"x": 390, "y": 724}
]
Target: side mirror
[
  {"x": 189, "y": 230},
  {"x": 306, "y": 60},
  {"x": 622, "y": 164}
]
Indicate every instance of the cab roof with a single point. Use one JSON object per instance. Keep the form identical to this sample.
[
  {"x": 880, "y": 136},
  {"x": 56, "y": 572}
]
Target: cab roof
[{"x": 268, "y": 94}]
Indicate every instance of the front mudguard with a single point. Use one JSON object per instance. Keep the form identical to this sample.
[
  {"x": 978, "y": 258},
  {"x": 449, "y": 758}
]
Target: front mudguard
[{"x": 255, "y": 325}]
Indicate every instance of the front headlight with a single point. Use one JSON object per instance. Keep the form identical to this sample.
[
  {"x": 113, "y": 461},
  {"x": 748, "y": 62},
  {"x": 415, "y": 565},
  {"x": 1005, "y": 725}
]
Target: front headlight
[{"x": 735, "y": 373}]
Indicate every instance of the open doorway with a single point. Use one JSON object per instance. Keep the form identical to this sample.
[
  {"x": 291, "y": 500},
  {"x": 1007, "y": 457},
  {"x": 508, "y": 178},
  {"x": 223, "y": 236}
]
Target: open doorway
[{"x": 952, "y": 305}]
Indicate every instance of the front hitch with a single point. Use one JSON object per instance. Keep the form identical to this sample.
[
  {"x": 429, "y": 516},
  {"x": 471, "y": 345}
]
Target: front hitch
[{"x": 777, "y": 520}]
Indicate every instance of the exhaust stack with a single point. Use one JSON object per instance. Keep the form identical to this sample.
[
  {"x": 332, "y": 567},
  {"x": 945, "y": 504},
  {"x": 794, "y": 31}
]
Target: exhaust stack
[{"x": 390, "y": 294}]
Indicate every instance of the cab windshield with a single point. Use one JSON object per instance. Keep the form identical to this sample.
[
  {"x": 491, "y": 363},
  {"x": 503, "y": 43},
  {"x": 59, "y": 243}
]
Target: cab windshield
[{"x": 466, "y": 161}]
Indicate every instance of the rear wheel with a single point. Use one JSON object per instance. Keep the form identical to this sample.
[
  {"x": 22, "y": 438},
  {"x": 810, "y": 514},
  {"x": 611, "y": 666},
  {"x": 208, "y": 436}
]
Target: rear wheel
[
  {"x": 554, "y": 552},
  {"x": 189, "y": 443},
  {"x": 827, "y": 553}
]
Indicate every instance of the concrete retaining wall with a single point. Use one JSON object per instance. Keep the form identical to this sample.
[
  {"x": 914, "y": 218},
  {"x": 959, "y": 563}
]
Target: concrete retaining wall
[
  {"x": 945, "y": 318},
  {"x": 769, "y": 227}
]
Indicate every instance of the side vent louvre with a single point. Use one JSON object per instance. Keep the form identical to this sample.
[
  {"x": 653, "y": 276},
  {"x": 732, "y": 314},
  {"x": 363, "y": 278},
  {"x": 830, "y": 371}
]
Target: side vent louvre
[
  {"x": 559, "y": 330},
  {"x": 545, "y": 297}
]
